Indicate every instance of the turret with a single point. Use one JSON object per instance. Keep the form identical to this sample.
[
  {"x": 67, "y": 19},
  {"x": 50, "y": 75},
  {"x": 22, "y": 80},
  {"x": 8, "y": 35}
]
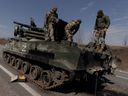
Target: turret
[{"x": 27, "y": 31}]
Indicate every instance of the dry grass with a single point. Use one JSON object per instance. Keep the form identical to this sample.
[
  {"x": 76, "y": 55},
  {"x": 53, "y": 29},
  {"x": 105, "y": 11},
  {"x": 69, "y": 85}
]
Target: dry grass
[
  {"x": 122, "y": 53},
  {"x": 3, "y": 41}
]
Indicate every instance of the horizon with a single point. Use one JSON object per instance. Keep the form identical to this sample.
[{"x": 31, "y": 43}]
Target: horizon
[{"x": 85, "y": 10}]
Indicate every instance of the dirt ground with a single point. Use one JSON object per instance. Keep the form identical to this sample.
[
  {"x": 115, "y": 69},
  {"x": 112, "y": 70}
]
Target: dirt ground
[
  {"x": 3, "y": 41},
  {"x": 122, "y": 53}
]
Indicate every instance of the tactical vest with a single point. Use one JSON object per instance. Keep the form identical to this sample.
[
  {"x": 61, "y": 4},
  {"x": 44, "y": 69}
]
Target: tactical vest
[
  {"x": 71, "y": 25},
  {"x": 102, "y": 22}
]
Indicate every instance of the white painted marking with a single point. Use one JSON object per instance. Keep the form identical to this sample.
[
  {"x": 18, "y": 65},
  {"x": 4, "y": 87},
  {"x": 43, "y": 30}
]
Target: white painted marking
[
  {"x": 122, "y": 71},
  {"x": 24, "y": 85},
  {"x": 6, "y": 71},
  {"x": 29, "y": 89},
  {"x": 122, "y": 77}
]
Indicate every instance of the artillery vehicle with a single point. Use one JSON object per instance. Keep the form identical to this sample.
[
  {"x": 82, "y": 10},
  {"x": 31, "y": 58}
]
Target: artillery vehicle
[{"x": 53, "y": 63}]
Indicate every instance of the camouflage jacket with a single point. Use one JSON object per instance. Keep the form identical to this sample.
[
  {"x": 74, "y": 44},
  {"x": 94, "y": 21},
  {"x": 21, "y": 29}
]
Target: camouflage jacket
[
  {"x": 51, "y": 17},
  {"x": 72, "y": 26},
  {"x": 102, "y": 22}
]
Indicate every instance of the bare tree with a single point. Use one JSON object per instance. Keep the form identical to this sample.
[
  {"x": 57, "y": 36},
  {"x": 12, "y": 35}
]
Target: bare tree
[{"x": 125, "y": 41}]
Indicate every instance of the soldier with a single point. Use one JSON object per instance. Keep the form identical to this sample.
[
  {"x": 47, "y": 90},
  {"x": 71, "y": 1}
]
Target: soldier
[
  {"x": 101, "y": 25},
  {"x": 51, "y": 20},
  {"x": 71, "y": 28}
]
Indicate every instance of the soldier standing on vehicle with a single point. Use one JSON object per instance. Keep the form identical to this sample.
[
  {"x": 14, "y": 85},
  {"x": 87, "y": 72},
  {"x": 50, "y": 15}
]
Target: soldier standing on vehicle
[
  {"x": 50, "y": 23},
  {"x": 71, "y": 28},
  {"x": 101, "y": 25}
]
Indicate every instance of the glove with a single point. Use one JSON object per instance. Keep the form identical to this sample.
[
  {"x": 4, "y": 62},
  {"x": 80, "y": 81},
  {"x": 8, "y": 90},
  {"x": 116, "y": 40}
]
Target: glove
[
  {"x": 95, "y": 31},
  {"x": 105, "y": 29},
  {"x": 71, "y": 33}
]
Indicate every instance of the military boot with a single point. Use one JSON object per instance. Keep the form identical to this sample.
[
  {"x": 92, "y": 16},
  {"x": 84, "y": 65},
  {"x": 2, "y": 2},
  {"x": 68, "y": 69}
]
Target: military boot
[
  {"x": 70, "y": 43},
  {"x": 52, "y": 38}
]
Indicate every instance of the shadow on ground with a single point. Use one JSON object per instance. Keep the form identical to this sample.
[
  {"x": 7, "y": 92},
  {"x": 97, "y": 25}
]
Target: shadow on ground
[
  {"x": 110, "y": 93},
  {"x": 89, "y": 87}
]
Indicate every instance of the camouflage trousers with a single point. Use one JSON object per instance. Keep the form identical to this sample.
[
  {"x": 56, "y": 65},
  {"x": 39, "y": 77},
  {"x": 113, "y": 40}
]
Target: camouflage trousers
[
  {"x": 99, "y": 38},
  {"x": 51, "y": 32},
  {"x": 100, "y": 35},
  {"x": 69, "y": 35}
]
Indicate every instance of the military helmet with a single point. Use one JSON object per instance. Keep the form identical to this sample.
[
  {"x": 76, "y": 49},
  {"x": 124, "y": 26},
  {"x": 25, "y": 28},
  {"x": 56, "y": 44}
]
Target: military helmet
[
  {"x": 54, "y": 9},
  {"x": 100, "y": 13}
]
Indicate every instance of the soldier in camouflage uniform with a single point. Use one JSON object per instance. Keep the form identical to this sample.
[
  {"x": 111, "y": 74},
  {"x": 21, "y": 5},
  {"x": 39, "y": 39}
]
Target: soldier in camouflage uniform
[
  {"x": 51, "y": 20},
  {"x": 101, "y": 25},
  {"x": 71, "y": 28}
]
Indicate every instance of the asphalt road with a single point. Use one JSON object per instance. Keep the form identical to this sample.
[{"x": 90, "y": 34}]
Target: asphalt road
[{"x": 118, "y": 85}]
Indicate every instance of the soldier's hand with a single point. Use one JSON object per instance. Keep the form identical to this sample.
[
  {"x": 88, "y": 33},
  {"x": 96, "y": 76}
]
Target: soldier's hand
[
  {"x": 95, "y": 31},
  {"x": 57, "y": 20},
  {"x": 70, "y": 33},
  {"x": 105, "y": 29}
]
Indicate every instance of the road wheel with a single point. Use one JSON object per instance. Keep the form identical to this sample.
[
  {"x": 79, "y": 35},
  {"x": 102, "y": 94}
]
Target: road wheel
[
  {"x": 8, "y": 58},
  {"x": 18, "y": 63},
  {"x": 12, "y": 60},
  {"x": 4, "y": 56},
  {"x": 35, "y": 72},
  {"x": 26, "y": 67},
  {"x": 58, "y": 77},
  {"x": 46, "y": 78}
]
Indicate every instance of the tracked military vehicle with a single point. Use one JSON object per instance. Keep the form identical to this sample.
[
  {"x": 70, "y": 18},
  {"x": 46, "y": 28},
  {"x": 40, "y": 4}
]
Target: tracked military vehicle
[{"x": 51, "y": 64}]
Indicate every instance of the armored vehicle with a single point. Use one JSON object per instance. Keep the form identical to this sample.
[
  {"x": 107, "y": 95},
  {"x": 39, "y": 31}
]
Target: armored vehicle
[{"x": 53, "y": 63}]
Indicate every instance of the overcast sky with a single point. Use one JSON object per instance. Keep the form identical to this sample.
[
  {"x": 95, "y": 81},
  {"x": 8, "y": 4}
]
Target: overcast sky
[{"x": 22, "y": 10}]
